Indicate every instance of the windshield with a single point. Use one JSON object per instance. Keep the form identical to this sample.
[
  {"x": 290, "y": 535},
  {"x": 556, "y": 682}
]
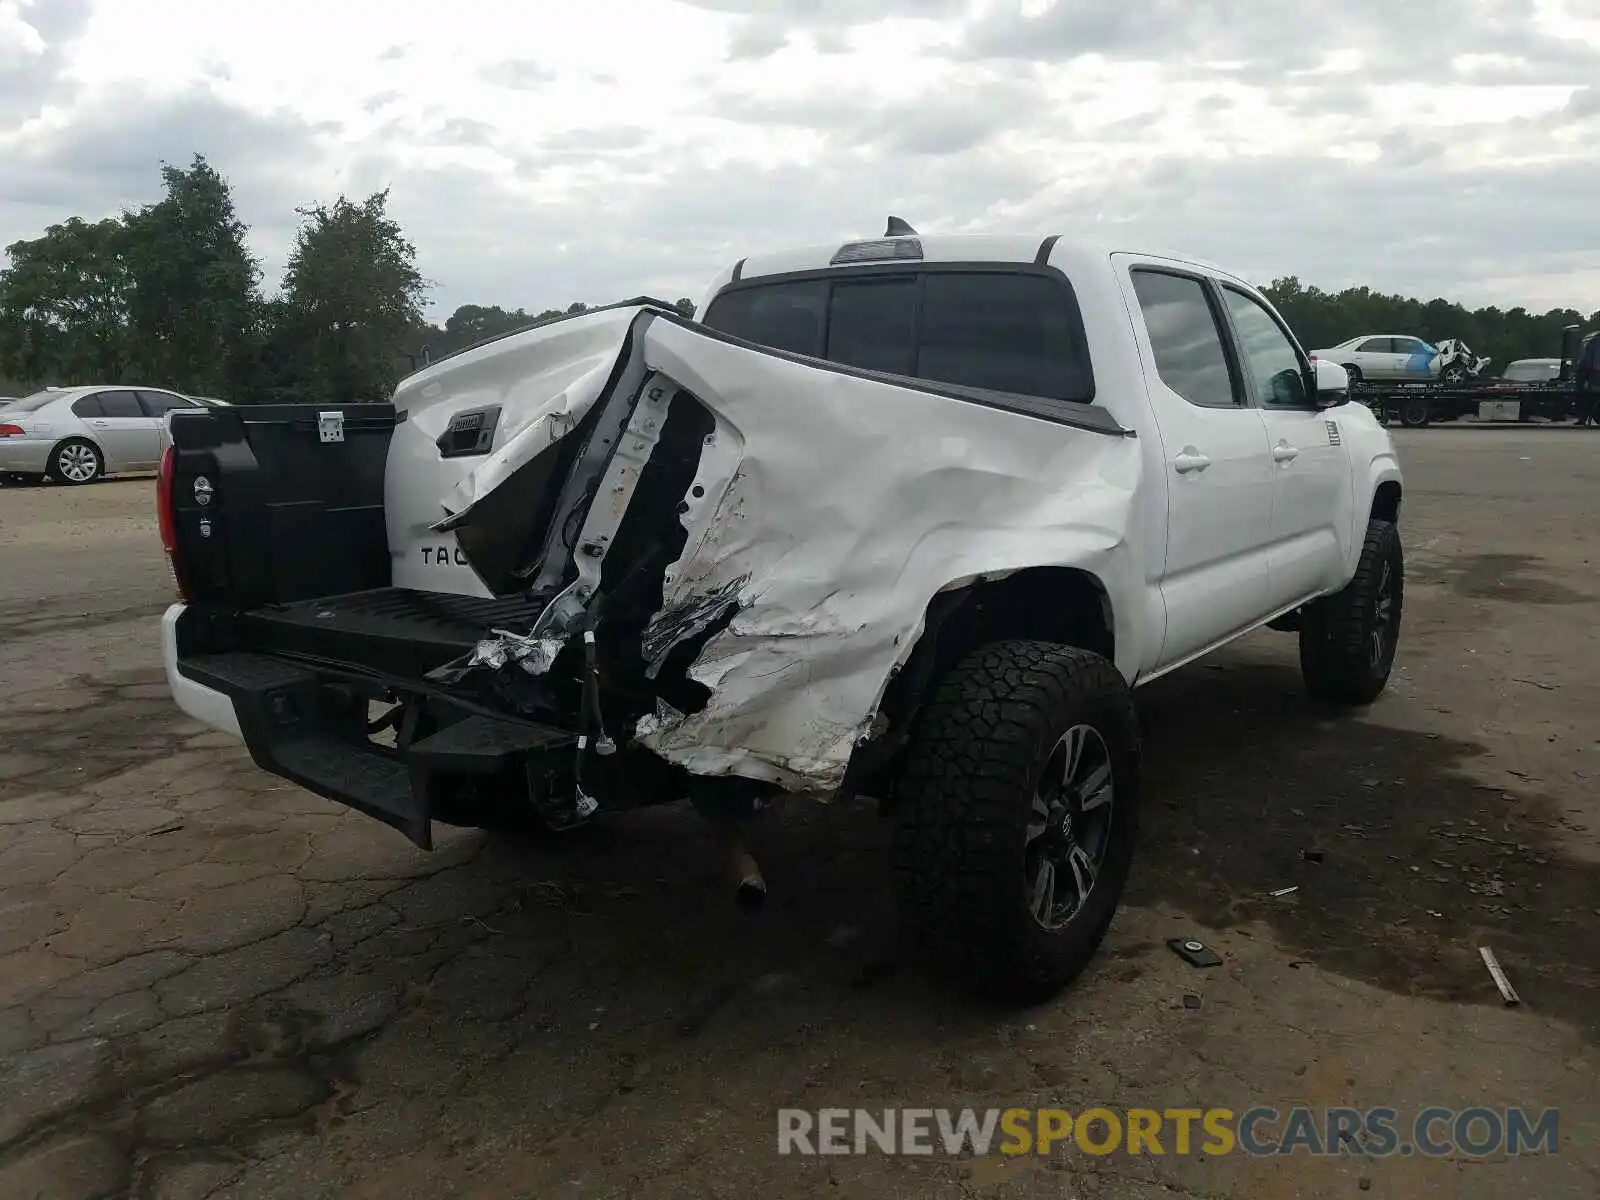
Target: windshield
[{"x": 31, "y": 403}]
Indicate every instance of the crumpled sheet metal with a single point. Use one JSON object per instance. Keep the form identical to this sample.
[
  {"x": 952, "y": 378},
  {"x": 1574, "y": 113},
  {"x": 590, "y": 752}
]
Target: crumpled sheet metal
[
  {"x": 838, "y": 506},
  {"x": 830, "y": 509},
  {"x": 535, "y": 655}
]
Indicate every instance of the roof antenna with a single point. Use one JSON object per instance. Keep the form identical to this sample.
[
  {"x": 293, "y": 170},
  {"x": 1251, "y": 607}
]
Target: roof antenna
[{"x": 898, "y": 228}]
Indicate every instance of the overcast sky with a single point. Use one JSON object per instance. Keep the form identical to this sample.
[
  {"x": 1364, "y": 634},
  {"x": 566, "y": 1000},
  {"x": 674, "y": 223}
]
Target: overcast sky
[{"x": 545, "y": 151}]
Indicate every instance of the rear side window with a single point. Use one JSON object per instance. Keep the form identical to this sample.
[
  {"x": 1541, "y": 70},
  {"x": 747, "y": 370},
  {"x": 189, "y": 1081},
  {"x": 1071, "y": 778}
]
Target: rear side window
[
  {"x": 1007, "y": 333},
  {"x": 785, "y": 316},
  {"x": 999, "y": 331},
  {"x": 159, "y": 404},
  {"x": 87, "y": 406},
  {"x": 1185, "y": 338},
  {"x": 120, "y": 404}
]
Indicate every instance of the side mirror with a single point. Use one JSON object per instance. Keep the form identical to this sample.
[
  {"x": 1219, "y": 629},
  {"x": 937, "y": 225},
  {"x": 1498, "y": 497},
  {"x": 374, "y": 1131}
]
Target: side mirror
[{"x": 1333, "y": 383}]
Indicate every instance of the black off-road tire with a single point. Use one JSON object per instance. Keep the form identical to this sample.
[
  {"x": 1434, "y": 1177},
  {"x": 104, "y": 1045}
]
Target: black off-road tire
[
  {"x": 964, "y": 806},
  {"x": 1339, "y": 660}
]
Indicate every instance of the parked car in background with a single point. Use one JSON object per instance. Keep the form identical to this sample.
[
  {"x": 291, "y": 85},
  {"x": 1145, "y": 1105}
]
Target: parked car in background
[
  {"x": 81, "y": 434},
  {"x": 1532, "y": 370}
]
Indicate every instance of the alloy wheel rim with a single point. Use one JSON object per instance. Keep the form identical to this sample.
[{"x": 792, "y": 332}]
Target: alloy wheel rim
[
  {"x": 1069, "y": 826},
  {"x": 1383, "y": 617},
  {"x": 78, "y": 463}
]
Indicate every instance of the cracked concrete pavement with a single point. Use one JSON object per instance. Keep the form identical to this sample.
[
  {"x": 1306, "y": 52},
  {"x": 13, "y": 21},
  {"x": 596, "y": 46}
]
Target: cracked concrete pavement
[{"x": 213, "y": 984}]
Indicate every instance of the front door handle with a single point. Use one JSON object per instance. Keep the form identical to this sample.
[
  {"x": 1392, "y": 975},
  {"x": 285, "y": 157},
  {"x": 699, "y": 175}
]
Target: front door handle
[
  {"x": 1189, "y": 459},
  {"x": 1283, "y": 452}
]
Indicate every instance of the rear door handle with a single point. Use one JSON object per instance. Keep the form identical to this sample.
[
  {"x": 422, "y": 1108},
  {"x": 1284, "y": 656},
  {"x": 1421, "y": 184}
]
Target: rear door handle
[
  {"x": 99, "y": 424},
  {"x": 1189, "y": 459},
  {"x": 1283, "y": 452}
]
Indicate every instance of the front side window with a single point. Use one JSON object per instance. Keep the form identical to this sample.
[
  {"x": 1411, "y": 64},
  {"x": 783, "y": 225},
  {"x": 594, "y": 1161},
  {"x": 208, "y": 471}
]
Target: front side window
[
  {"x": 1184, "y": 338},
  {"x": 1271, "y": 361}
]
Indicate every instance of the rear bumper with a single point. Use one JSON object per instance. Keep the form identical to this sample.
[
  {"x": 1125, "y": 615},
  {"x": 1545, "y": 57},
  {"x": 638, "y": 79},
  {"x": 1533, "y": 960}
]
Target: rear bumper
[
  {"x": 310, "y": 724},
  {"x": 24, "y": 454},
  {"x": 205, "y": 704}
]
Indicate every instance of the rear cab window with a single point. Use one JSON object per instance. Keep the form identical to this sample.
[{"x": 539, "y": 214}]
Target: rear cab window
[
  {"x": 1014, "y": 331},
  {"x": 1186, "y": 338}
]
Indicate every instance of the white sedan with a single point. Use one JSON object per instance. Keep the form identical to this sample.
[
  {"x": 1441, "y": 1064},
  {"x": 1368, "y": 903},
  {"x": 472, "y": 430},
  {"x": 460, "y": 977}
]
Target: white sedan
[
  {"x": 81, "y": 434},
  {"x": 1385, "y": 356}
]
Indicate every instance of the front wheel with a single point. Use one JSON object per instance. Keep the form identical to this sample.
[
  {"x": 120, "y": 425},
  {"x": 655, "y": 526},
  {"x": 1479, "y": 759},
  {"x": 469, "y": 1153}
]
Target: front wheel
[
  {"x": 1348, "y": 640},
  {"x": 76, "y": 462},
  {"x": 1455, "y": 373},
  {"x": 1017, "y": 816}
]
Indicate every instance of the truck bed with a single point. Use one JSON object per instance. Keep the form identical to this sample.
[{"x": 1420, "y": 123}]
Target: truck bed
[{"x": 396, "y": 631}]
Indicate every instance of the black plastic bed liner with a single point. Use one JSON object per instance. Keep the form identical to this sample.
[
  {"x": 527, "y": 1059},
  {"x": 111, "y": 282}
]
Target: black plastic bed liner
[{"x": 399, "y": 631}]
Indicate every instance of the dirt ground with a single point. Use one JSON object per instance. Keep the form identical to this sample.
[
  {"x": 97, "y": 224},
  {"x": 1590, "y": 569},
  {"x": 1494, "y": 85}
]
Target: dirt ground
[{"x": 214, "y": 984}]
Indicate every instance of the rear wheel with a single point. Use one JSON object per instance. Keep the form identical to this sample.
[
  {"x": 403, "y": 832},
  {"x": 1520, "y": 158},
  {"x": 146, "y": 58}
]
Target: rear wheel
[
  {"x": 1415, "y": 412},
  {"x": 1353, "y": 371},
  {"x": 1348, "y": 640},
  {"x": 1017, "y": 815},
  {"x": 76, "y": 461}
]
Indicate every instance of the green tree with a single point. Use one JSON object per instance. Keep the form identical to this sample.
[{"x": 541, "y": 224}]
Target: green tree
[
  {"x": 352, "y": 299},
  {"x": 64, "y": 305},
  {"x": 194, "y": 302}
]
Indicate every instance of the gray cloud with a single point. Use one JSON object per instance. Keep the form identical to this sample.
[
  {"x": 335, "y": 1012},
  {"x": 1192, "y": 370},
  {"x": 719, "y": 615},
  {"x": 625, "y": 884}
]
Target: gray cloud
[
  {"x": 811, "y": 13},
  {"x": 1585, "y": 103},
  {"x": 518, "y": 74},
  {"x": 109, "y": 159},
  {"x": 950, "y": 120},
  {"x": 1286, "y": 36},
  {"x": 29, "y": 82},
  {"x": 758, "y": 38}
]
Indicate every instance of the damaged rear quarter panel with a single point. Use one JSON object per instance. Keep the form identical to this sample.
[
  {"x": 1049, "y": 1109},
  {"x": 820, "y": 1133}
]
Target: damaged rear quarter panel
[
  {"x": 544, "y": 380},
  {"x": 837, "y": 506}
]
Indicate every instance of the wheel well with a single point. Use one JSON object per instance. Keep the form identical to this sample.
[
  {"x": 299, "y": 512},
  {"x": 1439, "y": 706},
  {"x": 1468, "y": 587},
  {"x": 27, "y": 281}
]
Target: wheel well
[
  {"x": 76, "y": 437},
  {"x": 1386, "y": 503},
  {"x": 1048, "y": 604}
]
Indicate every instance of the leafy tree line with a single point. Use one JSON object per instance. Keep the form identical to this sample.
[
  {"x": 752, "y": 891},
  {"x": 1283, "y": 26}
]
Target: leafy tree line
[
  {"x": 1323, "y": 319},
  {"x": 170, "y": 295}
]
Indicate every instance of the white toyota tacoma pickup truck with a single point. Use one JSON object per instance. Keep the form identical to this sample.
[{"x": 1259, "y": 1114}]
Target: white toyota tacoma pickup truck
[{"x": 904, "y": 519}]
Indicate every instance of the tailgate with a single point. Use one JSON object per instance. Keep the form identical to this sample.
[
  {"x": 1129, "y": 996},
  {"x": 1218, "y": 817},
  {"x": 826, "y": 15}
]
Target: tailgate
[{"x": 281, "y": 502}]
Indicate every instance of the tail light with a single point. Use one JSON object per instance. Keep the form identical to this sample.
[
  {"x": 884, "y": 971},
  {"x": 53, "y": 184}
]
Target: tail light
[
  {"x": 167, "y": 519},
  {"x": 7, "y": 429}
]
